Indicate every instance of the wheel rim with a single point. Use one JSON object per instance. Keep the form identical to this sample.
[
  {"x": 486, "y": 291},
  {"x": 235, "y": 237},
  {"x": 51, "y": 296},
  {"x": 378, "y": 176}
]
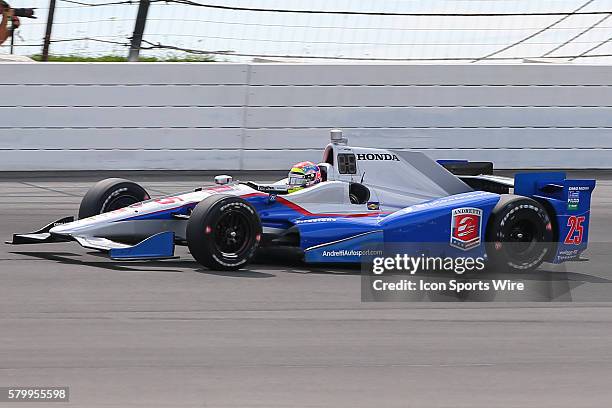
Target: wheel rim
[
  {"x": 232, "y": 234},
  {"x": 522, "y": 237},
  {"x": 120, "y": 202}
]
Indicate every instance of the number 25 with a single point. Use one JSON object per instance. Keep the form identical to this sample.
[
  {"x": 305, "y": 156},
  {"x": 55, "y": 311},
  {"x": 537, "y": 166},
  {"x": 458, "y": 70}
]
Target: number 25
[{"x": 576, "y": 231}]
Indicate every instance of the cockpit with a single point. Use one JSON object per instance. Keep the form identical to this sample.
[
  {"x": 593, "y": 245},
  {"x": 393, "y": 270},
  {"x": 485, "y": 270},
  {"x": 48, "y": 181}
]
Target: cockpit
[{"x": 371, "y": 177}]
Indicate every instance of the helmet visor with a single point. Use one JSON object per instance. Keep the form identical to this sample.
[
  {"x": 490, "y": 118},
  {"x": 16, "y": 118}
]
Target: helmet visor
[{"x": 296, "y": 179}]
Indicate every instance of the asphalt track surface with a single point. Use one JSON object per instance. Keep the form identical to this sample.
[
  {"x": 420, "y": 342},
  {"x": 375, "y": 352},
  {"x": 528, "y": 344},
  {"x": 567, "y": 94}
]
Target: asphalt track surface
[{"x": 171, "y": 334}]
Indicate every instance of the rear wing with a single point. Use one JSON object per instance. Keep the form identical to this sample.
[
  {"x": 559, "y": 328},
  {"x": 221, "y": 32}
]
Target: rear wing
[{"x": 568, "y": 201}]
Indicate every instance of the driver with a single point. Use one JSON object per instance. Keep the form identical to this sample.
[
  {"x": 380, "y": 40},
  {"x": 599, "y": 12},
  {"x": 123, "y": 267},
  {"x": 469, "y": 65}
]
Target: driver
[{"x": 302, "y": 175}]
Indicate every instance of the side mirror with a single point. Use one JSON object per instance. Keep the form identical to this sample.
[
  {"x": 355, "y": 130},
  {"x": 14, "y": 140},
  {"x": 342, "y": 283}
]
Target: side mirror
[
  {"x": 358, "y": 193},
  {"x": 326, "y": 171}
]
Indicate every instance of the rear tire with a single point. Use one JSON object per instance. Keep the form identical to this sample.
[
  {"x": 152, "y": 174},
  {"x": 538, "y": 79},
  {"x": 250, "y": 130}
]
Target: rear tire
[
  {"x": 519, "y": 235},
  {"x": 223, "y": 232},
  {"x": 109, "y": 195}
]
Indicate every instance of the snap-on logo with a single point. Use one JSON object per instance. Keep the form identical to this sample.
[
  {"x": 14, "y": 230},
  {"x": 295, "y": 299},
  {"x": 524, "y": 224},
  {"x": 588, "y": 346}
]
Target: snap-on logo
[
  {"x": 377, "y": 156},
  {"x": 465, "y": 228}
]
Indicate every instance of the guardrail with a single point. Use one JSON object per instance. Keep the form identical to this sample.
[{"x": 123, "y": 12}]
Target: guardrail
[{"x": 215, "y": 116}]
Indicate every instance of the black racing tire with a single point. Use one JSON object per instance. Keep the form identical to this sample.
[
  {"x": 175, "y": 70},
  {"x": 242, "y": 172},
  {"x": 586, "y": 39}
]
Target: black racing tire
[
  {"x": 223, "y": 232},
  {"x": 109, "y": 195},
  {"x": 519, "y": 235}
]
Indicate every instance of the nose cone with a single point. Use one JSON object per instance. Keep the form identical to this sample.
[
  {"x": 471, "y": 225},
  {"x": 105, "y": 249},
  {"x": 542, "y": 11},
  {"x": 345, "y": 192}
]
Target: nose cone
[
  {"x": 63, "y": 228},
  {"x": 97, "y": 224},
  {"x": 80, "y": 226}
]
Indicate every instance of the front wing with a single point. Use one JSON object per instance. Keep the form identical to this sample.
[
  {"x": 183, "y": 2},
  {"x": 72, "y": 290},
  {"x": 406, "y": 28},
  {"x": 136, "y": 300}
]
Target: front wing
[{"x": 158, "y": 246}]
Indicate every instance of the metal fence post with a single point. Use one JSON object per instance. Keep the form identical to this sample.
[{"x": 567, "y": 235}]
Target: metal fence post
[
  {"x": 47, "y": 40},
  {"x": 139, "y": 26}
]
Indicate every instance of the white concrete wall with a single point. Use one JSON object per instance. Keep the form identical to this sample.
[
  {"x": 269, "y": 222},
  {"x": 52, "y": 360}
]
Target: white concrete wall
[{"x": 262, "y": 116}]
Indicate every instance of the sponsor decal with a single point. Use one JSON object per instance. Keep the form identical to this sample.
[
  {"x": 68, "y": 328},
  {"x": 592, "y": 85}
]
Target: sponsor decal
[
  {"x": 219, "y": 188},
  {"x": 310, "y": 220},
  {"x": 377, "y": 157},
  {"x": 568, "y": 254},
  {"x": 272, "y": 188},
  {"x": 573, "y": 199},
  {"x": 466, "y": 225},
  {"x": 373, "y": 205},
  {"x": 169, "y": 200},
  {"x": 271, "y": 198},
  {"x": 350, "y": 252}
]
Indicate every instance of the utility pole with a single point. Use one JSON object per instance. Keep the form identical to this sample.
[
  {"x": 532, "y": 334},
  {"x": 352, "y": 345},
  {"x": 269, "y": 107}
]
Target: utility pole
[
  {"x": 141, "y": 20},
  {"x": 47, "y": 40}
]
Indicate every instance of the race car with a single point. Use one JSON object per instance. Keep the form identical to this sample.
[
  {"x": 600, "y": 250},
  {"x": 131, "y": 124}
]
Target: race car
[{"x": 366, "y": 197}]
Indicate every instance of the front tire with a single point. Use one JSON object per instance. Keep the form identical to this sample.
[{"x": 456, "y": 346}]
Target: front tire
[
  {"x": 109, "y": 195},
  {"x": 519, "y": 235},
  {"x": 223, "y": 232}
]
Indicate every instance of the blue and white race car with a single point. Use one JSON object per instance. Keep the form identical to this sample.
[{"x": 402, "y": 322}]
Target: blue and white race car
[{"x": 366, "y": 197}]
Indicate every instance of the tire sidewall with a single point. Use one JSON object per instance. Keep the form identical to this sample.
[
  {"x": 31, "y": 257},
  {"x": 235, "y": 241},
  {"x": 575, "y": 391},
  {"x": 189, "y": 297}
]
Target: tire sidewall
[
  {"x": 102, "y": 194},
  {"x": 499, "y": 251},
  {"x": 201, "y": 232}
]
